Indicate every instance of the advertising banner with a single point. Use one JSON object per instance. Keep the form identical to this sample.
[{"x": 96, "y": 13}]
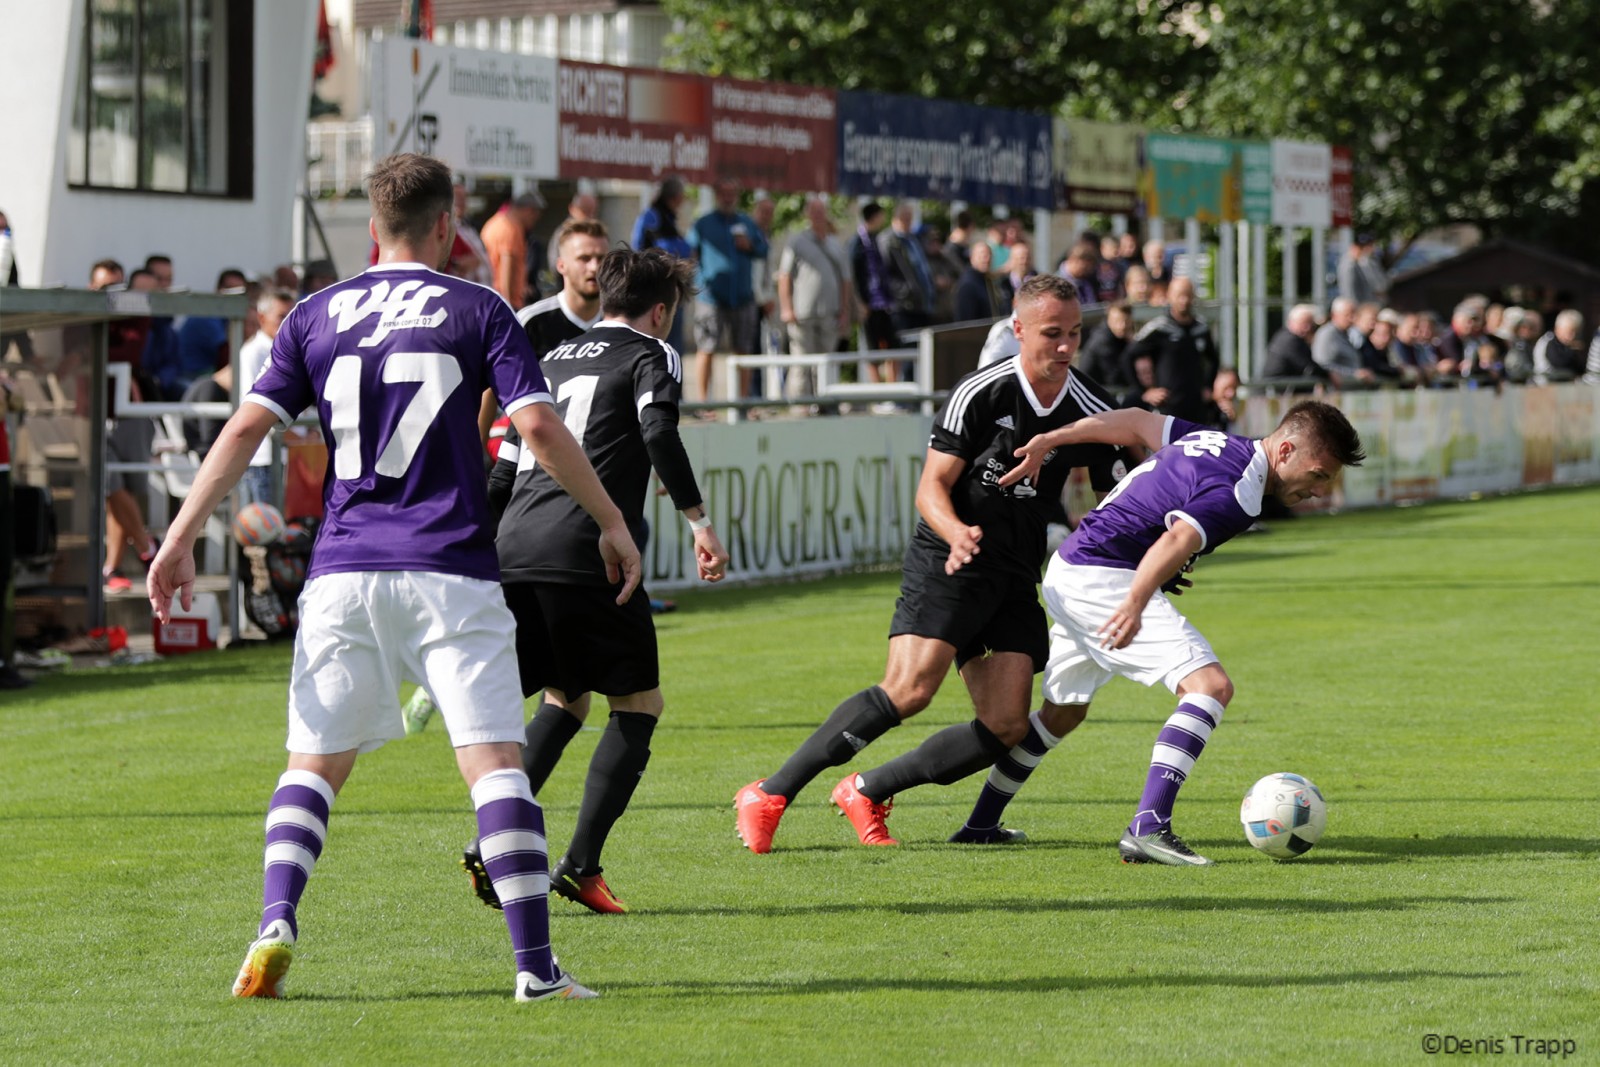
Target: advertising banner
[
  {"x": 638, "y": 124},
  {"x": 795, "y": 498},
  {"x": 1301, "y": 192},
  {"x": 1253, "y": 160},
  {"x": 1097, "y": 166},
  {"x": 1341, "y": 185},
  {"x": 909, "y": 146},
  {"x": 1207, "y": 178},
  {"x": 480, "y": 112},
  {"x": 782, "y": 138}
]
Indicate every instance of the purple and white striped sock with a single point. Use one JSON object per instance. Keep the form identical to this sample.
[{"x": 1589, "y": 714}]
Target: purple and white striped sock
[
  {"x": 1178, "y": 745},
  {"x": 297, "y": 825},
  {"x": 511, "y": 839},
  {"x": 1010, "y": 773}
]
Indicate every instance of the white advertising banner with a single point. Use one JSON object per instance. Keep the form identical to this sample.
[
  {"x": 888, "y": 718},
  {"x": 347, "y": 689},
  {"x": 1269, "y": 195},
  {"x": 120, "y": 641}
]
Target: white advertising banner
[
  {"x": 480, "y": 112},
  {"x": 811, "y": 496},
  {"x": 1301, "y": 193}
]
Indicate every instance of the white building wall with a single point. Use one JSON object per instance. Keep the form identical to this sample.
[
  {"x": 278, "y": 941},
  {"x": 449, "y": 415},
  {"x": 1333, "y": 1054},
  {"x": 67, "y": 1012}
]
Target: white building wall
[{"x": 59, "y": 231}]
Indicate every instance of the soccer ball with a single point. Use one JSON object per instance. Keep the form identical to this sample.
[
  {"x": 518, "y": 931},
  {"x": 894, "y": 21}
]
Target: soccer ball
[
  {"x": 257, "y": 524},
  {"x": 1283, "y": 815}
]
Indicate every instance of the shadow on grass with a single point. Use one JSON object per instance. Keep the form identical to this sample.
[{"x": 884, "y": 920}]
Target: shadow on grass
[
  {"x": 860, "y": 983},
  {"x": 1459, "y": 846},
  {"x": 1029, "y": 905}
]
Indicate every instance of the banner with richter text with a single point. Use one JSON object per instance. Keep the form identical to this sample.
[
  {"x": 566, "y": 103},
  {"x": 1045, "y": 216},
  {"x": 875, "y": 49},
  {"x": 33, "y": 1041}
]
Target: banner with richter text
[
  {"x": 638, "y": 124},
  {"x": 911, "y": 146}
]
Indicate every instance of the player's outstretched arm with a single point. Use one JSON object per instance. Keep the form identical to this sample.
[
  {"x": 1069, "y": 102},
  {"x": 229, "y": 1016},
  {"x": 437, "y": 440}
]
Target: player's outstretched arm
[
  {"x": 172, "y": 571},
  {"x": 559, "y": 453},
  {"x": 939, "y": 475},
  {"x": 1161, "y": 563},
  {"x": 1125, "y": 426}
]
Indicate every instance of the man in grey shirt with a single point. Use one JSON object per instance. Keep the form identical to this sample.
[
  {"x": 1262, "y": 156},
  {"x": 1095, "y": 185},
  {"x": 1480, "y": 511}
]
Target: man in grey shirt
[
  {"x": 1331, "y": 346},
  {"x": 813, "y": 294}
]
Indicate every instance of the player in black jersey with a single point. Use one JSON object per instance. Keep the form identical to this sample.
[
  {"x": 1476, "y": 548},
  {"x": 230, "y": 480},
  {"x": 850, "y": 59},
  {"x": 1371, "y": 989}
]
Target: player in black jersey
[
  {"x": 969, "y": 591},
  {"x": 617, "y": 388},
  {"x": 580, "y": 246}
]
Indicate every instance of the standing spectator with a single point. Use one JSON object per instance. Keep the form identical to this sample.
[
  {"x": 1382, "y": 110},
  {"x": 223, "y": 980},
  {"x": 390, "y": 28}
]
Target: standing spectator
[
  {"x": 1185, "y": 357},
  {"x": 871, "y": 276},
  {"x": 958, "y": 245},
  {"x": 1415, "y": 359},
  {"x": 1136, "y": 284},
  {"x": 1155, "y": 261},
  {"x": 1081, "y": 267},
  {"x": 1101, "y": 355},
  {"x": 946, "y": 275},
  {"x": 160, "y": 266},
  {"x": 1377, "y": 355},
  {"x": 768, "y": 339},
  {"x": 1488, "y": 367},
  {"x": 160, "y": 356},
  {"x": 1460, "y": 343},
  {"x": 1522, "y": 329},
  {"x": 657, "y": 227},
  {"x": 9, "y": 678},
  {"x": 1331, "y": 346},
  {"x": 273, "y": 307},
  {"x": 202, "y": 342},
  {"x": 1289, "y": 351},
  {"x": 467, "y": 233},
  {"x": 1361, "y": 276},
  {"x": 505, "y": 238},
  {"x": 1128, "y": 253},
  {"x": 1108, "y": 277},
  {"x": 977, "y": 294},
  {"x": 910, "y": 279},
  {"x": 813, "y": 294},
  {"x": 1019, "y": 268},
  {"x": 726, "y": 244},
  {"x": 1559, "y": 356}
]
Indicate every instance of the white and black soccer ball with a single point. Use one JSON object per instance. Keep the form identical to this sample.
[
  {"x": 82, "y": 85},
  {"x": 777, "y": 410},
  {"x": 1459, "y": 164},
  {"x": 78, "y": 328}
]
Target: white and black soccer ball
[{"x": 1283, "y": 815}]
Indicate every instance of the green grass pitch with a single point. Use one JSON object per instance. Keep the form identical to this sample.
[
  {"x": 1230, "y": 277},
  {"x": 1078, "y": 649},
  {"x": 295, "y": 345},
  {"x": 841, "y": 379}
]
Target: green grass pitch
[{"x": 1433, "y": 670}]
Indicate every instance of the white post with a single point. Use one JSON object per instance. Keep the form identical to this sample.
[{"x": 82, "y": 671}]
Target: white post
[
  {"x": 1191, "y": 247},
  {"x": 1247, "y": 292},
  {"x": 1319, "y": 267},
  {"x": 1224, "y": 272},
  {"x": 1258, "y": 286},
  {"x": 1291, "y": 283},
  {"x": 1156, "y": 230},
  {"x": 1043, "y": 252}
]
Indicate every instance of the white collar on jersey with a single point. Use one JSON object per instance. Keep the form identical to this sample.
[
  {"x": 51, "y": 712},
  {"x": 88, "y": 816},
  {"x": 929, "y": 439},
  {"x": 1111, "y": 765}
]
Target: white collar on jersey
[
  {"x": 400, "y": 266},
  {"x": 572, "y": 316},
  {"x": 1033, "y": 399},
  {"x": 1252, "y": 484}
]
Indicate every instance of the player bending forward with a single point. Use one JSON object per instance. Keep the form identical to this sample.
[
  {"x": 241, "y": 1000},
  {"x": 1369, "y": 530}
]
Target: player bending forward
[
  {"x": 618, "y": 386},
  {"x": 403, "y": 583},
  {"x": 1103, "y": 588},
  {"x": 969, "y": 594}
]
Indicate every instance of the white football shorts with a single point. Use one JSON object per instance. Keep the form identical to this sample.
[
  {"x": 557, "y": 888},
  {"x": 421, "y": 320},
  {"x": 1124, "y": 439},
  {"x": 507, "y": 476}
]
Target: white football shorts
[
  {"x": 1080, "y": 599},
  {"x": 364, "y": 632}
]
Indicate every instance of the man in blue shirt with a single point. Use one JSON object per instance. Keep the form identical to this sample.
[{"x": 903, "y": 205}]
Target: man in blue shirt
[{"x": 726, "y": 245}]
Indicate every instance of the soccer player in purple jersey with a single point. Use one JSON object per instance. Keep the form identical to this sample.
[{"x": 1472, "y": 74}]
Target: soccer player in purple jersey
[
  {"x": 403, "y": 582},
  {"x": 1103, "y": 588}
]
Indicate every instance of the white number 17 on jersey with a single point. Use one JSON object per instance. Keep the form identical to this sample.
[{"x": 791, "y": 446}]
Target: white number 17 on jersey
[{"x": 439, "y": 375}]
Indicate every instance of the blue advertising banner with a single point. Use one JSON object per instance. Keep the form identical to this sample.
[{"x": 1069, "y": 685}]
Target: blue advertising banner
[{"x": 910, "y": 146}]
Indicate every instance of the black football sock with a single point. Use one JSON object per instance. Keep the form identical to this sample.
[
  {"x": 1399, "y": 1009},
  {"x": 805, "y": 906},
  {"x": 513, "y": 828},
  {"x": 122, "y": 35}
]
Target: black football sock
[
  {"x": 945, "y": 758},
  {"x": 614, "y": 772},
  {"x": 854, "y": 724},
  {"x": 551, "y": 727}
]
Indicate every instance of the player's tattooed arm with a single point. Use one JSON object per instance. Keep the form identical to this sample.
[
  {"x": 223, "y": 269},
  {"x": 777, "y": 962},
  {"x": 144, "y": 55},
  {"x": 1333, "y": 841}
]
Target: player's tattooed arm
[
  {"x": 1126, "y": 426},
  {"x": 940, "y": 472}
]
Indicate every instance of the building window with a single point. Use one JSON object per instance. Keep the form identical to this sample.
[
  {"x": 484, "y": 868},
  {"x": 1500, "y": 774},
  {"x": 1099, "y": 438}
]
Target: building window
[{"x": 164, "y": 97}]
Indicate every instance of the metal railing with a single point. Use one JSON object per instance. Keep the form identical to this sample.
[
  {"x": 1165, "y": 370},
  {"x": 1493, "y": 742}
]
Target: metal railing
[
  {"x": 831, "y": 388},
  {"x": 338, "y": 156}
]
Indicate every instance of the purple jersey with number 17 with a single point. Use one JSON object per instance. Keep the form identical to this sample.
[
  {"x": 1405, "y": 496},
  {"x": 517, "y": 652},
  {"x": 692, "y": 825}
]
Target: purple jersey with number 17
[
  {"x": 396, "y": 359},
  {"x": 1212, "y": 480}
]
